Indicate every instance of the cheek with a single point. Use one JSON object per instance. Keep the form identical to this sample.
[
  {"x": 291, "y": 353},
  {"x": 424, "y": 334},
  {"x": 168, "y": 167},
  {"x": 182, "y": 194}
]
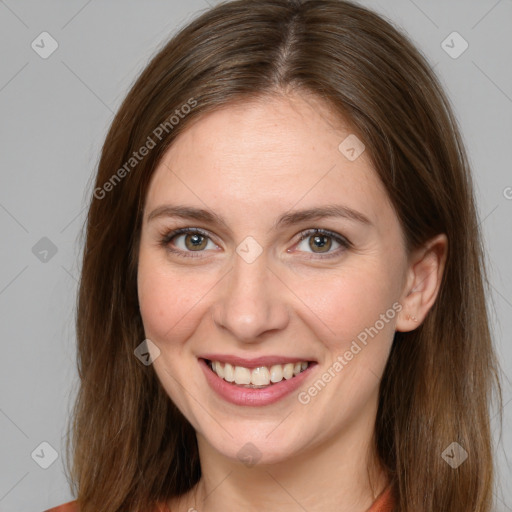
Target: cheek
[
  {"x": 169, "y": 302},
  {"x": 346, "y": 303},
  {"x": 355, "y": 318}
]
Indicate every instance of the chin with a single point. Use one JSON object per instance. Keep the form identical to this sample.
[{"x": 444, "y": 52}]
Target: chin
[{"x": 255, "y": 446}]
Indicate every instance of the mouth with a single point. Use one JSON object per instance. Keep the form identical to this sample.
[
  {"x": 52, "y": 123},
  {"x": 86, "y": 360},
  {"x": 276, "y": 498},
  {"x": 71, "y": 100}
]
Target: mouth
[
  {"x": 259, "y": 377},
  {"x": 263, "y": 381}
]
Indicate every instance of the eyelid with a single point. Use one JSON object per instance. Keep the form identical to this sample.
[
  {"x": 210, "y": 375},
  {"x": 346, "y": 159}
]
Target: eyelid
[
  {"x": 320, "y": 231},
  {"x": 168, "y": 235},
  {"x": 340, "y": 239}
]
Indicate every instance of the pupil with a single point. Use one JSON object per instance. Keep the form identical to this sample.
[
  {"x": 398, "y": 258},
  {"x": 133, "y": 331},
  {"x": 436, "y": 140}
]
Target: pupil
[
  {"x": 320, "y": 242},
  {"x": 318, "y": 239},
  {"x": 195, "y": 241}
]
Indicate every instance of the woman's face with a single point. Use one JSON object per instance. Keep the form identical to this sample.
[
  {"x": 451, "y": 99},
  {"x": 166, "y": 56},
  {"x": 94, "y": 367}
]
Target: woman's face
[{"x": 248, "y": 287}]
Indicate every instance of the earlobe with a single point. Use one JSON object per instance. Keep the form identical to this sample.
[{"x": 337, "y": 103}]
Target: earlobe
[{"x": 425, "y": 273}]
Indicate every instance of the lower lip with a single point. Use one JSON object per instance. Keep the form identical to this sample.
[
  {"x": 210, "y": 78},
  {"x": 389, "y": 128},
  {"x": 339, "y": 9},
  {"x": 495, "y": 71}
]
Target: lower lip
[{"x": 253, "y": 396}]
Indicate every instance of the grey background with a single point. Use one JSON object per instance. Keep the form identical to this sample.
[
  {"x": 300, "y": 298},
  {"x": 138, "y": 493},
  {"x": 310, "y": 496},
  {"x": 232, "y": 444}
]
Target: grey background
[{"x": 55, "y": 113}]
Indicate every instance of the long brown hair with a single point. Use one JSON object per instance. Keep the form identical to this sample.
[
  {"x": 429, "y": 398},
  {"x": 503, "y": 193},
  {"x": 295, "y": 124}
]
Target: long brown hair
[{"x": 131, "y": 447}]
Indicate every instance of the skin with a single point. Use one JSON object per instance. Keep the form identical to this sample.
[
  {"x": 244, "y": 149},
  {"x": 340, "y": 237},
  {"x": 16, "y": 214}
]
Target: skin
[{"x": 251, "y": 163}]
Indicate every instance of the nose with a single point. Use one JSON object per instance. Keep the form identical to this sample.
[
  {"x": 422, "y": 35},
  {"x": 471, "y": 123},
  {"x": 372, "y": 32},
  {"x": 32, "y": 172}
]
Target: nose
[{"x": 251, "y": 301}]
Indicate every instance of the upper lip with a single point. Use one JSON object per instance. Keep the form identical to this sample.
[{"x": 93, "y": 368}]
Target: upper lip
[{"x": 253, "y": 362}]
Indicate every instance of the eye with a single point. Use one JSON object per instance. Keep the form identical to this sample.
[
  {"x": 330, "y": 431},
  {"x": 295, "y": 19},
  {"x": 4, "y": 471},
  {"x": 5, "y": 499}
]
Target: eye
[
  {"x": 320, "y": 241},
  {"x": 193, "y": 240}
]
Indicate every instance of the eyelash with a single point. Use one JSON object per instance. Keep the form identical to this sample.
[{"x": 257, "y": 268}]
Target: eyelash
[{"x": 168, "y": 236}]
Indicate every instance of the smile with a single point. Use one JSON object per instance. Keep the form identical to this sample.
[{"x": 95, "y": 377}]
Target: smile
[
  {"x": 259, "y": 377},
  {"x": 264, "y": 383}
]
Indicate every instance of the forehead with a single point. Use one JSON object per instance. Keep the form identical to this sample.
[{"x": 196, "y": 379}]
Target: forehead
[{"x": 265, "y": 156}]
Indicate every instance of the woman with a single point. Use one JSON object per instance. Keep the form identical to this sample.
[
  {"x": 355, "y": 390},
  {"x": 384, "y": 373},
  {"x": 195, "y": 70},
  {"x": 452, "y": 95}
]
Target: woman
[{"x": 282, "y": 297}]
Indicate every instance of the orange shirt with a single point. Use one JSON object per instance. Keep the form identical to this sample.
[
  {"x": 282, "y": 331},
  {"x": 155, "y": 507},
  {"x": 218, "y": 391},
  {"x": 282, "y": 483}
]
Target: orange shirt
[{"x": 384, "y": 503}]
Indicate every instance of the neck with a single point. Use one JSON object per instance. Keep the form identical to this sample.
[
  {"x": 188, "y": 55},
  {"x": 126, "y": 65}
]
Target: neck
[{"x": 341, "y": 474}]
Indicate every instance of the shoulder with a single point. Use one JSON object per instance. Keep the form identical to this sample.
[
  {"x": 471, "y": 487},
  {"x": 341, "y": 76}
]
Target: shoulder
[
  {"x": 385, "y": 502},
  {"x": 71, "y": 506}
]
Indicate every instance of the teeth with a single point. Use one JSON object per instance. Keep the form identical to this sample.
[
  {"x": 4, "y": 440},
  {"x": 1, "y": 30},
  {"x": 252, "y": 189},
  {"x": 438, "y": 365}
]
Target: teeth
[
  {"x": 260, "y": 376},
  {"x": 288, "y": 371},
  {"x": 276, "y": 373},
  {"x": 229, "y": 372},
  {"x": 257, "y": 377},
  {"x": 217, "y": 368},
  {"x": 242, "y": 375}
]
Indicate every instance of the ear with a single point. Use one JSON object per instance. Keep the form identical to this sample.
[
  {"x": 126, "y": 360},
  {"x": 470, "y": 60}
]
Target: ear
[{"x": 423, "y": 281}]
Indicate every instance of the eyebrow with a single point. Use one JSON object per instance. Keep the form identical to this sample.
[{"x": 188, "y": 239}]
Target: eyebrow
[{"x": 288, "y": 219}]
